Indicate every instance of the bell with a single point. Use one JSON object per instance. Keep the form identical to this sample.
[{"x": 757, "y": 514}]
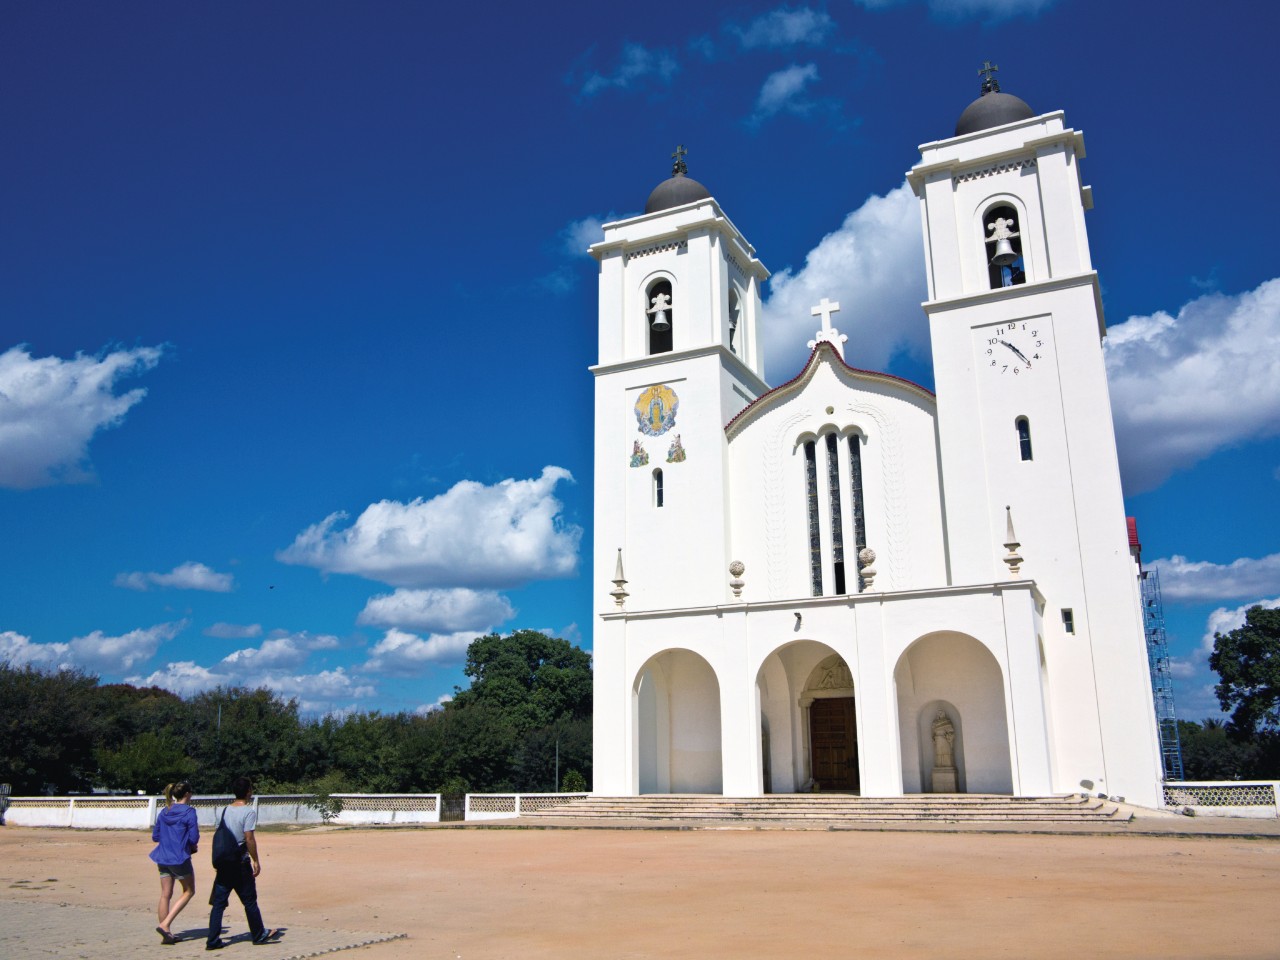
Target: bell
[
  {"x": 1005, "y": 255},
  {"x": 660, "y": 322}
]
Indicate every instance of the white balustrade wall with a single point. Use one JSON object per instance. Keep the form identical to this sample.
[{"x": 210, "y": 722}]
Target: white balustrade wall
[
  {"x": 1224, "y": 798},
  {"x": 505, "y": 806},
  {"x": 139, "y": 813}
]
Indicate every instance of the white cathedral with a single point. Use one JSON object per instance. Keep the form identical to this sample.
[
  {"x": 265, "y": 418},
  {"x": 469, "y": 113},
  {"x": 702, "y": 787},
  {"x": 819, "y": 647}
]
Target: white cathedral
[{"x": 847, "y": 583}]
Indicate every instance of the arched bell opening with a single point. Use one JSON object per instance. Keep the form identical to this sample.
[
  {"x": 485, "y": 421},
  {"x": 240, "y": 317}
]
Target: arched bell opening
[{"x": 1000, "y": 230}]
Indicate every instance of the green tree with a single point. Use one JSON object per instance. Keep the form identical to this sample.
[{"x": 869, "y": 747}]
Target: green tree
[
  {"x": 1247, "y": 661},
  {"x": 533, "y": 678},
  {"x": 1209, "y": 754},
  {"x": 48, "y": 730},
  {"x": 238, "y": 732},
  {"x": 150, "y": 761}
]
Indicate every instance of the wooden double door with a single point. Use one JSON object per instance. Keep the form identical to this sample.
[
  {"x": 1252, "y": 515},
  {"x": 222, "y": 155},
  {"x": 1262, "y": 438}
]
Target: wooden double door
[{"x": 833, "y": 743}]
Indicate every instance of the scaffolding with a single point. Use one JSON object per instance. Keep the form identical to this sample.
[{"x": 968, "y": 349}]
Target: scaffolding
[{"x": 1161, "y": 679}]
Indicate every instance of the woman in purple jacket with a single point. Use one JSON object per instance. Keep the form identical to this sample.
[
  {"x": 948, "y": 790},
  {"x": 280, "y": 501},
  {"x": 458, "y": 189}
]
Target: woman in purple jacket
[{"x": 177, "y": 834}]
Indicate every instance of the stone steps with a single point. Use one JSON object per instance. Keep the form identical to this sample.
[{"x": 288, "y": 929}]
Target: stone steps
[{"x": 810, "y": 807}]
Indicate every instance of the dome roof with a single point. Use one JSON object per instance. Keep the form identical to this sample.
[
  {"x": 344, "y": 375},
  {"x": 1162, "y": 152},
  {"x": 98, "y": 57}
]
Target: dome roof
[
  {"x": 992, "y": 109},
  {"x": 674, "y": 192}
]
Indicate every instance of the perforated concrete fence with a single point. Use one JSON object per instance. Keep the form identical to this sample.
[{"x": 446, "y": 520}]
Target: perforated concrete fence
[
  {"x": 1225, "y": 798},
  {"x": 139, "y": 813},
  {"x": 504, "y": 806}
]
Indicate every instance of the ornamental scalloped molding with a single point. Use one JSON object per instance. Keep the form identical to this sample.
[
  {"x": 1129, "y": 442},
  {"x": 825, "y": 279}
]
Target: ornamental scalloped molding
[
  {"x": 733, "y": 262},
  {"x": 656, "y": 248},
  {"x": 774, "y": 498},
  {"x": 992, "y": 171}
]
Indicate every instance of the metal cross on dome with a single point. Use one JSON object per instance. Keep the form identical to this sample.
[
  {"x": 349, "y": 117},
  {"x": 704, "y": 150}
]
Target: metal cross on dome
[
  {"x": 679, "y": 166},
  {"x": 988, "y": 74},
  {"x": 828, "y": 333}
]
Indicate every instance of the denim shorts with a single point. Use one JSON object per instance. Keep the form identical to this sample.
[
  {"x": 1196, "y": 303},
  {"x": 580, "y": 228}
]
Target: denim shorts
[{"x": 177, "y": 870}]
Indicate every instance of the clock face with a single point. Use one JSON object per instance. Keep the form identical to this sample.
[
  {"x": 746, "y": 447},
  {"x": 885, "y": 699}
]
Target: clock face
[{"x": 1013, "y": 349}]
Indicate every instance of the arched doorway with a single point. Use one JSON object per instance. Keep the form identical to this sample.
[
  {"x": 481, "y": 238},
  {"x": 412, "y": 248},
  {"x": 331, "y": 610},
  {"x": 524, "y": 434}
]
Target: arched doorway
[
  {"x": 677, "y": 723},
  {"x": 951, "y": 704},
  {"x": 807, "y": 706}
]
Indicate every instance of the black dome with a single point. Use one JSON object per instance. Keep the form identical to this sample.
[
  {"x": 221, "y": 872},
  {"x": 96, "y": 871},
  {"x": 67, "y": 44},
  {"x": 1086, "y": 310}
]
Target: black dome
[
  {"x": 992, "y": 110},
  {"x": 675, "y": 192}
]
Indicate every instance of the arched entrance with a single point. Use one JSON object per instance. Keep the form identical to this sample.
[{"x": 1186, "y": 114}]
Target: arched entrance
[
  {"x": 808, "y": 710},
  {"x": 677, "y": 725},
  {"x": 951, "y": 717}
]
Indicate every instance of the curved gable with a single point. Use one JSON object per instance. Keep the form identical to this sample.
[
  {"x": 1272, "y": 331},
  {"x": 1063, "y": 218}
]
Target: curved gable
[{"x": 822, "y": 353}]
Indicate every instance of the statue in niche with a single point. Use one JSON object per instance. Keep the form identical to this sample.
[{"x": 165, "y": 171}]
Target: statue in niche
[{"x": 945, "y": 775}]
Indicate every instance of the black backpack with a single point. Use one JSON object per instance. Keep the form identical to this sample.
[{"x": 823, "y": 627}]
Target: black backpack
[{"x": 226, "y": 852}]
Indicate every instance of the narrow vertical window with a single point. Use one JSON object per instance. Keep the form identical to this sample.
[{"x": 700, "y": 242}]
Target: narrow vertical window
[
  {"x": 1004, "y": 247},
  {"x": 735, "y": 315},
  {"x": 1024, "y": 437},
  {"x": 859, "y": 514},
  {"x": 1068, "y": 621},
  {"x": 837, "y": 526},
  {"x": 657, "y": 487},
  {"x": 815, "y": 534},
  {"x": 659, "y": 313}
]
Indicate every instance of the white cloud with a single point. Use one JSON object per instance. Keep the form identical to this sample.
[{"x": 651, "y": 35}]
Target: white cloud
[
  {"x": 873, "y": 266},
  {"x": 441, "y": 611},
  {"x": 1184, "y": 387},
  {"x": 783, "y": 91},
  {"x": 234, "y": 631},
  {"x": 314, "y": 691},
  {"x": 50, "y": 409},
  {"x": 964, "y": 9},
  {"x": 95, "y": 652},
  {"x": 786, "y": 27},
  {"x": 471, "y": 535},
  {"x": 406, "y": 654},
  {"x": 1221, "y": 620},
  {"x": 186, "y": 576},
  {"x": 636, "y": 66},
  {"x": 1191, "y": 580},
  {"x": 423, "y": 709},
  {"x": 577, "y": 235},
  {"x": 282, "y": 650}
]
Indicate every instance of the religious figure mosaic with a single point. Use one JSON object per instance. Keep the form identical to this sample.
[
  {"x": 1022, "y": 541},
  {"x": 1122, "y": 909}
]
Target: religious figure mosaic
[
  {"x": 656, "y": 410},
  {"x": 639, "y": 456},
  {"x": 675, "y": 453}
]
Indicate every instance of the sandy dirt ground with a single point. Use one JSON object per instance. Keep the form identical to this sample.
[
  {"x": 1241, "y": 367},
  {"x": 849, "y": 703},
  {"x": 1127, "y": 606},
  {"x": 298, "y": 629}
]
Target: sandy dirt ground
[{"x": 528, "y": 894}]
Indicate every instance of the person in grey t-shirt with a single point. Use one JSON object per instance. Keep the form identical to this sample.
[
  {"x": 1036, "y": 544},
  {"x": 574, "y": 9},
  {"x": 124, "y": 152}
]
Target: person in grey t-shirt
[{"x": 242, "y": 820}]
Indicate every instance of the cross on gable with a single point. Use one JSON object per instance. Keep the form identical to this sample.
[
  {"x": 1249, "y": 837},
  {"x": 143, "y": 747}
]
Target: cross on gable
[
  {"x": 988, "y": 74},
  {"x": 828, "y": 333}
]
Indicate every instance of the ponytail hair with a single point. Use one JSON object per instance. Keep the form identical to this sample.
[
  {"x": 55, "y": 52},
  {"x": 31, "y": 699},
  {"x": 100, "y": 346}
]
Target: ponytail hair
[{"x": 176, "y": 791}]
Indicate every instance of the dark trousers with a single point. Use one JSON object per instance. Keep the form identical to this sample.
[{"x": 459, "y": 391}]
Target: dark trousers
[{"x": 240, "y": 879}]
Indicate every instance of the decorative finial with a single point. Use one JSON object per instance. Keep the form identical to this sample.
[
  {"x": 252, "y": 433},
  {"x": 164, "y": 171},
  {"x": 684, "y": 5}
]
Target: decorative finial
[
  {"x": 736, "y": 570},
  {"x": 828, "y": 333},
  {"x": 988, "y": 74},
  {"x": 1011, "y": 544},
  {"x": 679, "y": 168},
  {"x": 866, "y": 566},
  {"x": 619, "y": 591}
]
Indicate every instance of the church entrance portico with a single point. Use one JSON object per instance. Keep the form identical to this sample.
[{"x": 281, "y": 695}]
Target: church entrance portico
[{"x": 808, "y": 721}]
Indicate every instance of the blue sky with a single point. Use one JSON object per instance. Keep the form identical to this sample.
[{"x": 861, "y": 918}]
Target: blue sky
[{"x": 295, "y": 316}]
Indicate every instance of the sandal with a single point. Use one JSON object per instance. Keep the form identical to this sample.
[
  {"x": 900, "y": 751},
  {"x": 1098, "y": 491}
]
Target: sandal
[{"x": 166, "y": 938}]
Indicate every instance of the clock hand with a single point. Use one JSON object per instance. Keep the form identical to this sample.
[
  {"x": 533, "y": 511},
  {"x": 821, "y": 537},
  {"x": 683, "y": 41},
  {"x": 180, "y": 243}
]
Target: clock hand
[{"x": 1021, "y": 355}]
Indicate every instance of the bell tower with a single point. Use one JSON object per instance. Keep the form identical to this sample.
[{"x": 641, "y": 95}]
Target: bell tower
[
  {"x": 1024, "y": 420},
  {"x": 679, "y": 357}
]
